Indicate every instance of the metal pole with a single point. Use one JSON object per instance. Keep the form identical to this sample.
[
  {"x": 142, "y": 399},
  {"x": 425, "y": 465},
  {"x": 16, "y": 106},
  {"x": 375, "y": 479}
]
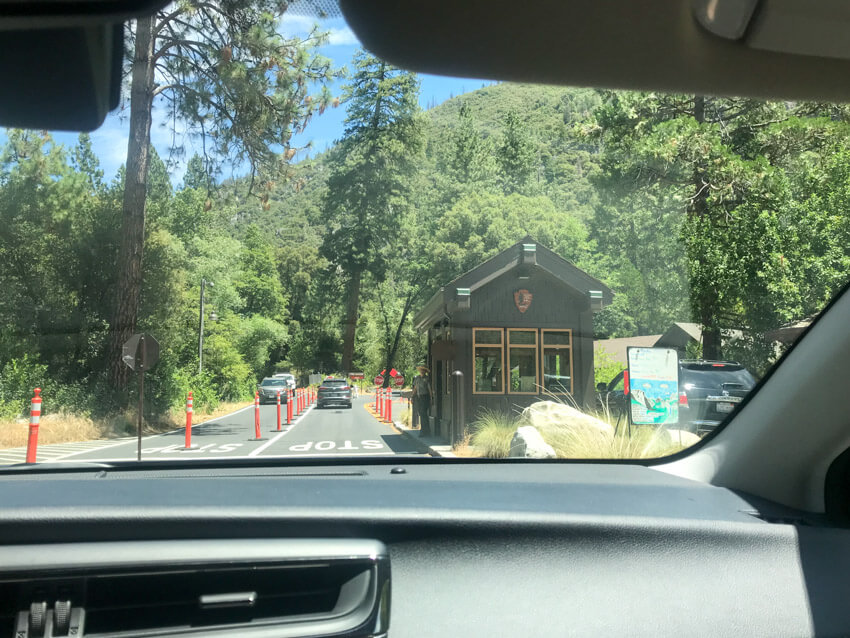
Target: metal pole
[
  {"x": 458, "y": 415},
  {"x": 201, "y": 330},
  {"x": 141, "y": 366}
]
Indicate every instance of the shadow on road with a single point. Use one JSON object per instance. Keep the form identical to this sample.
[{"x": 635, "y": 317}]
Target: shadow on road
[
  {"x": 400, "y": 444},
  {"x": 211, "y": 429}
]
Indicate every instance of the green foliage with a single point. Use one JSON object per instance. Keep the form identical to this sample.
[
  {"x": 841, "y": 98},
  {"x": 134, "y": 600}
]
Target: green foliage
[
  {"x": 516, "y": 156},
  {"x": 605, "y": 368},
  {"x": 729, "y": 212},
  {"x": 259, "y": 284},
  {"x": 18, "y": 378}
]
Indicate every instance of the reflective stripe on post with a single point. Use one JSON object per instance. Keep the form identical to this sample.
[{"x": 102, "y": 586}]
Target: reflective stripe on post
[
  {"x": 289, "y": 407},
  {"x": 257, "y": 413},
  {"x": 189, "y": 410},
  {"x": 35, "y": 418},
  {"x": 278, "y": 410}
]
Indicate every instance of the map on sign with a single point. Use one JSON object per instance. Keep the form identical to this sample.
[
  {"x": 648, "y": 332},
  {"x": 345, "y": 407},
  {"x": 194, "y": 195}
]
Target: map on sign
[{"x": 653, "y": 386}]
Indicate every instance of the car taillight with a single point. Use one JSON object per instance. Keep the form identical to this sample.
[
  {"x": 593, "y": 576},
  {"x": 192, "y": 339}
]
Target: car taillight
[
  {"x": 322, "y": 387},
  {"x": 345, "y": 387},
  {"x": 683, "y": 399}
]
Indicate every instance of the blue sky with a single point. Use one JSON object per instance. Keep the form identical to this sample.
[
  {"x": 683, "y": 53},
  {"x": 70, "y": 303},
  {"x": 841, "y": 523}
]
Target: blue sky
[{"x": 110, "y": 140}]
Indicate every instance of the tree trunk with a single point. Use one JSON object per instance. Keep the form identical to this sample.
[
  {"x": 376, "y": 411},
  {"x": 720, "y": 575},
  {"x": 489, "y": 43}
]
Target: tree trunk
[
  {"x": 351, "y": 314},
  {"x": 128, "y": 294},
  {"x": 706, "y": 299},
  {"x": 408, "y": 304}
]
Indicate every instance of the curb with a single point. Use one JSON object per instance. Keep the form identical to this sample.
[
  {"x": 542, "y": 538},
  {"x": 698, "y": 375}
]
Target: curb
[{"x": 442, "y": 451}]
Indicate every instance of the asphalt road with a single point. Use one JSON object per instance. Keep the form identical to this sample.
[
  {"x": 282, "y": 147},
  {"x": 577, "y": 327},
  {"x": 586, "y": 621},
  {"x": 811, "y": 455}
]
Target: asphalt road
[{"x": 325, "y": 432}]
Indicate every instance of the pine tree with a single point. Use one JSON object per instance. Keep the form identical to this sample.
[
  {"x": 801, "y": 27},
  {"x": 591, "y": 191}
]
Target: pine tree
[
  {"x": 224, "y": 70},
  {"x": 369, "y": 183},
  {"x": 516, "y": 156},
  {"x": 472, "y": 162}
]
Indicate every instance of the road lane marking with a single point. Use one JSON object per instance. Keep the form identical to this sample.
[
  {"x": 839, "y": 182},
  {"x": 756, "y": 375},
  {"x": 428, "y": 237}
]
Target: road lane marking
[
  {"x": 270, "y": 456},
  {"x": 282, "y": 434},
  {"x": 322, "y": 446}
]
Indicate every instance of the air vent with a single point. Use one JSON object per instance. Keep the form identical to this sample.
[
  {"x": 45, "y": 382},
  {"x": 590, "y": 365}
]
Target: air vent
[{"x": 202, "y": 588}]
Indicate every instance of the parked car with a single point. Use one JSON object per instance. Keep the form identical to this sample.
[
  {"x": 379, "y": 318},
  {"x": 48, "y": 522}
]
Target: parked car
[
  {"x": 333, "y": 391},
  {"x": 269, "y": 387},
  {"x": 708, "y": 392}
]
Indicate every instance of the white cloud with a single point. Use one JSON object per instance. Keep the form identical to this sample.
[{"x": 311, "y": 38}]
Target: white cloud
[
  {"x": 342, "y": 36},
  {"x": 296, "y": 25}
]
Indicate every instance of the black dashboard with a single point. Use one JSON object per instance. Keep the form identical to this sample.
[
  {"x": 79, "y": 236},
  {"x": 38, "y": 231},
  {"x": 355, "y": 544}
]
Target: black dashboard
[{"x": 457, "y": 548}]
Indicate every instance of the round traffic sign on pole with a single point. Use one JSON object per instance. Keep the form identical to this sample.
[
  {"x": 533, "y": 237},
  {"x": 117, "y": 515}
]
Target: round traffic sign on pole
[
  {"x": 399, "y": 380},
  {"x": 379, "y": 380}
]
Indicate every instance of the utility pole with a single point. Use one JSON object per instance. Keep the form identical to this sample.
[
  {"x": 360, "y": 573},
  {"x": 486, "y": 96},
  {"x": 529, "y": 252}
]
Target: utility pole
[{"x": 204, "y": 284}]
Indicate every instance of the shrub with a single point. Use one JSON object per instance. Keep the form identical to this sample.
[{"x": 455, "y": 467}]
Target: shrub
[
  {"x": 492, "y": 432},
  {"x": 18, "y": 377}
]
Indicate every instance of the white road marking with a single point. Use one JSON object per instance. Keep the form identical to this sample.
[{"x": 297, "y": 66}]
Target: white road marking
[
  {"x": 270, "y": 456},
  {"x": 273, "y": 440},
  {"x": 59, "y": 451}
]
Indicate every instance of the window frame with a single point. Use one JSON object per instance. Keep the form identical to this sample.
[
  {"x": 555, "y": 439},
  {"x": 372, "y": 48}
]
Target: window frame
[
  {"x": 537, "y": 365},
  {"x": 542, "y": 358},
  {"x": 500, "y": 345}
]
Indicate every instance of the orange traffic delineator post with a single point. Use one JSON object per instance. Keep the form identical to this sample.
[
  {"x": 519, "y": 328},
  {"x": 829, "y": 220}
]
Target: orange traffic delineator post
[
  {"x": 278, "y": 410},
  {"x": 189, "y": 412},
  {"x": 289, "y": 407},
  {"x": 389, "y": 410},
  {"x": 377, "y": 398},
  {"x": 35, "y": 419},
  {"x": 257, "y": 414}
]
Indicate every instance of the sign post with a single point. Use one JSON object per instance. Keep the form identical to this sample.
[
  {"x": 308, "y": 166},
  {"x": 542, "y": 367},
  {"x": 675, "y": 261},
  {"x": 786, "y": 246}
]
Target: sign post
[
  {"x": 140, "y": 352},
  {"x": 653, "y": 386}
]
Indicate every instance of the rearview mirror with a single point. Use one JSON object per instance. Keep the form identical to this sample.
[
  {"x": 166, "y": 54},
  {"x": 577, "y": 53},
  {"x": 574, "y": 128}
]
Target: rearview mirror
[{"x": 61, "y": 62}]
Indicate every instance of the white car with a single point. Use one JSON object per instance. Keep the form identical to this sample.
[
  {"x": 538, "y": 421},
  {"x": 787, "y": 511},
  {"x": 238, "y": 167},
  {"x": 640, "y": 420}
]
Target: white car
[{"x": 290, "y": 379}]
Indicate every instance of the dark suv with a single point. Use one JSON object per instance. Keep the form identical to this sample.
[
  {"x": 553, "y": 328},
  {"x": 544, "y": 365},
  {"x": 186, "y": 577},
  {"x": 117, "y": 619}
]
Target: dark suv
[
  {"x": 708, "y": 392},
  {"x": 334, "y": 392},
  {"x": 269, "y": 388}
]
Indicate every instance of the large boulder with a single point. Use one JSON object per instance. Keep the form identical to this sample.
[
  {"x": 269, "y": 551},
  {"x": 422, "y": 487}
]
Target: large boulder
[
  {"x": 552, "y": 415},
  {"x": 527, "y": 443}
]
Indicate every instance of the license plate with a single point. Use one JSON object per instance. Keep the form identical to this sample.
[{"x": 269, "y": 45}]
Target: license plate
[{"x": 725, "y": 407}]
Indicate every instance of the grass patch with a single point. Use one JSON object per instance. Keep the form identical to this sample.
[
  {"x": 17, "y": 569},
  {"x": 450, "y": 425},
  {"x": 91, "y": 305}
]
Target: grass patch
[
  {"x": 70, "y": 428},
  {"x": 405, "y": 417},
  {"x": 491, "y": 433},
  {"x": 465, "y": 448},
  {"x": 53, "y": 428},
  {"x": 644, "y": 443}
]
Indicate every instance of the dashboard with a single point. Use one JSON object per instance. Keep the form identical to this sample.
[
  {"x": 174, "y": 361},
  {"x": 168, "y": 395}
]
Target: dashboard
[{"x": 416, "y": 548}]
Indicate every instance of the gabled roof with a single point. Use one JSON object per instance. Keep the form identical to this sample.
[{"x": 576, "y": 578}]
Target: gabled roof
[
  {"x": 618, "y": 348},
  {"x": 504, "y": 262}
]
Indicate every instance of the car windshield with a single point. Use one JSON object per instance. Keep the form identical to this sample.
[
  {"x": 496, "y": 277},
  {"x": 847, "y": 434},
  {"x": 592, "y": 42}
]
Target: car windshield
[
  {"x": 716, "y": 377},
  {"x": 478, "y": 260},
  {"x": 274, "y": 382}
]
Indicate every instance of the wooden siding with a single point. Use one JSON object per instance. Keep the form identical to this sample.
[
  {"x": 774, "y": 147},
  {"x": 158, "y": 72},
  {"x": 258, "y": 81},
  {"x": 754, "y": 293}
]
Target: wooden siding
[{"x": 554, "y": 306}]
